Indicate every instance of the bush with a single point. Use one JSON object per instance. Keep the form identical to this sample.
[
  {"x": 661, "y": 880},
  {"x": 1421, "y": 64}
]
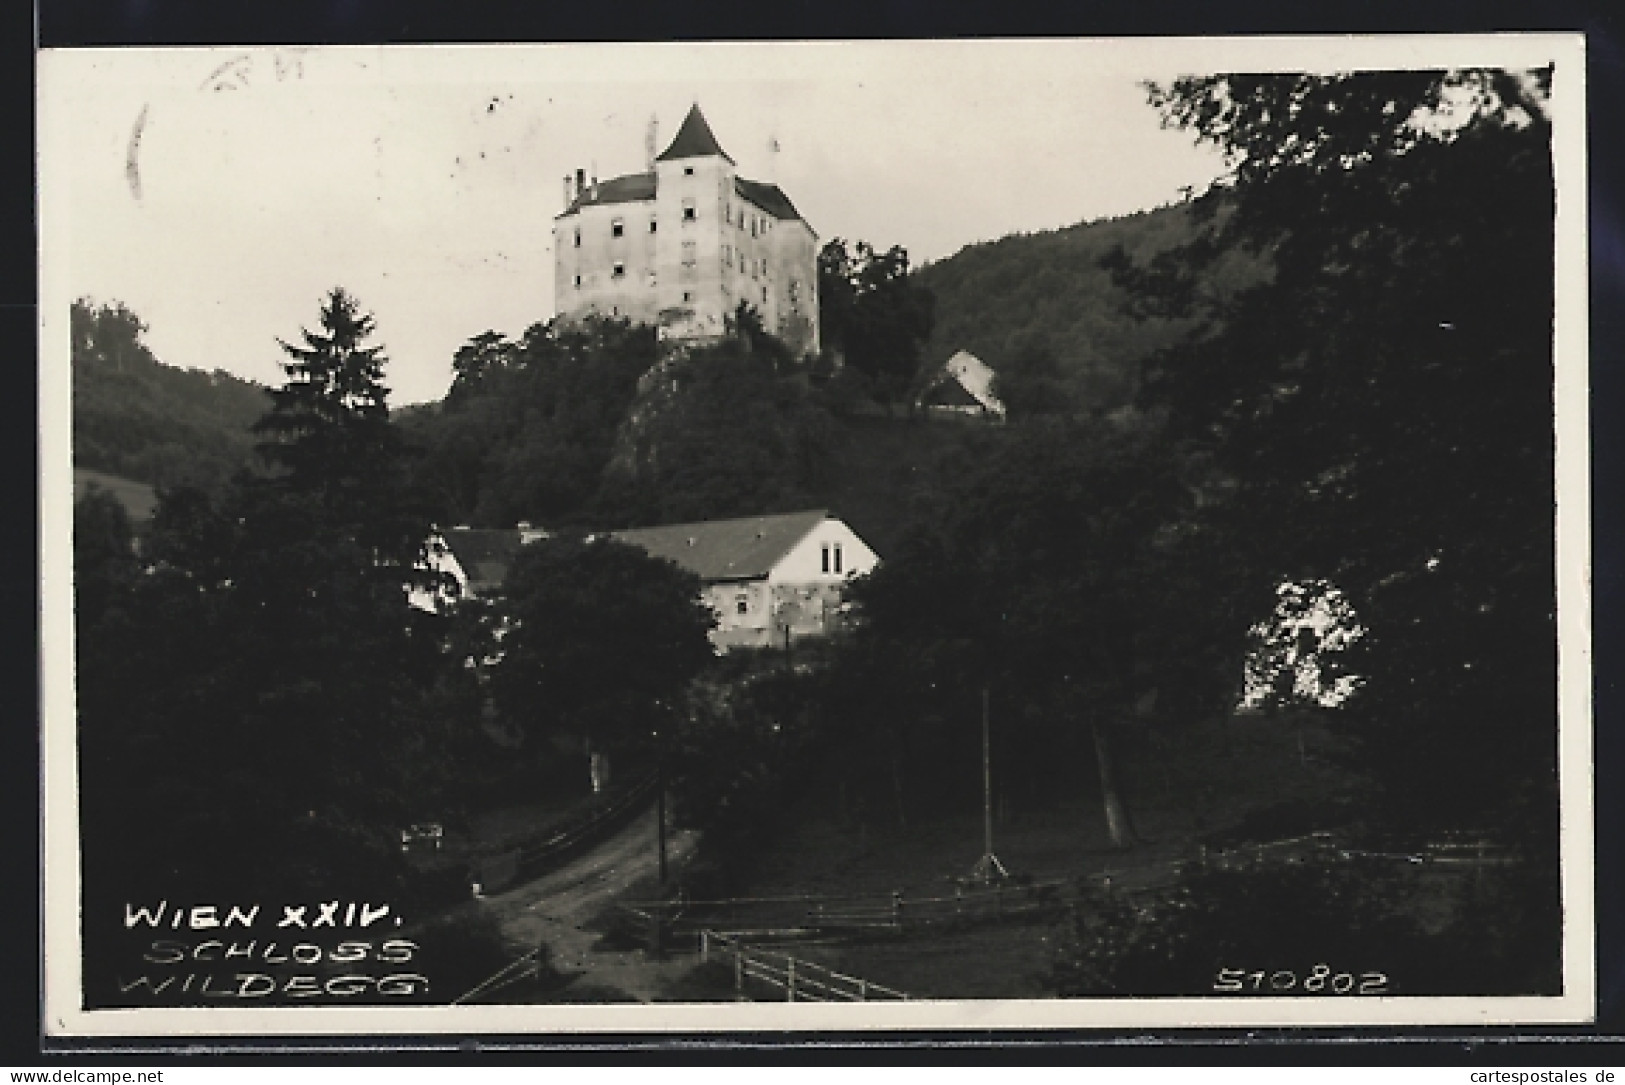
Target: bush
[{"x": 1423, "y": 931}]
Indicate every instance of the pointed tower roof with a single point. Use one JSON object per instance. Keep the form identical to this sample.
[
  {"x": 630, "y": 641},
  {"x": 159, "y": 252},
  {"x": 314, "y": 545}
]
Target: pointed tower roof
[{"x": 694, "y": 140}]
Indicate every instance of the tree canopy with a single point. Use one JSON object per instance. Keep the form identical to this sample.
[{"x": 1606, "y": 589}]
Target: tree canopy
[
  {"x": 263, "y": 694},
  {"x": 602, "y": 643},
  {"x": 874, "y": 314},
  {"x": 1381, "y": 410},
  {"x": 137, "y": 418}
]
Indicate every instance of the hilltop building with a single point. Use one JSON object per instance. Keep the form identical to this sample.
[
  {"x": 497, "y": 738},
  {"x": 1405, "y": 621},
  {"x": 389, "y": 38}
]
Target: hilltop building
[
  {"x": 682, "y": 244},
  {"x": 963, "y": 387}
]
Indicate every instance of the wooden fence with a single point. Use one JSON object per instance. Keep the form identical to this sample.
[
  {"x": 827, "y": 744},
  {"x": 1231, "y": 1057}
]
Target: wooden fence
[
  {"x": 804, "y": 916},
  {"x": 800, "y": 980}
]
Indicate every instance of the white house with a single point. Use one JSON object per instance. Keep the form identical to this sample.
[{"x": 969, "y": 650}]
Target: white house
[
  {"x": 476, "y": 560},
  {"x": 963, "y": 386},
  {"x": 769, "y": 578}
]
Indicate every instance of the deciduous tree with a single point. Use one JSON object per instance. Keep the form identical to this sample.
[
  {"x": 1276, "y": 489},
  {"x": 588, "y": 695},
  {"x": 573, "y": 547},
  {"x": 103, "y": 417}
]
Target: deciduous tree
[{"x": 1382, "y": 408}]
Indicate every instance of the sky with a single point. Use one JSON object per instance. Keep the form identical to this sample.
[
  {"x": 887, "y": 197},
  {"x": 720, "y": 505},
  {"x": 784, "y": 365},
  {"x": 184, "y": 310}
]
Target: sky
[{"x": 219, "y": 193}]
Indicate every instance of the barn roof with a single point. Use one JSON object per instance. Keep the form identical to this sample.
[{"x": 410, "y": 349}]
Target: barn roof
[
  {"x": 746, "y": 548},
  {"x": 974, "y": 378},
  {"x": 484, "y": 554}
]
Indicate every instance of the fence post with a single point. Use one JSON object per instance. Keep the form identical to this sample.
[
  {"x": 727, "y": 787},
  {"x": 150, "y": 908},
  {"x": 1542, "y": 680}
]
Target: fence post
[{"x": 790, "y": 978}]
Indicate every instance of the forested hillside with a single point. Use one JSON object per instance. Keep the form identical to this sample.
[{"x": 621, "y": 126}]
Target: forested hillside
[
  {"x": 1043, "y": 305},
  {"x": 580, "y": 426},
  {"x": 135, "y": 417}
]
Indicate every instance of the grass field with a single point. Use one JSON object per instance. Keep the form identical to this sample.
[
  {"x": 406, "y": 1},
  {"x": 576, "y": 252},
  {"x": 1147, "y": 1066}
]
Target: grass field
[{"x": 1200, "y": 783}]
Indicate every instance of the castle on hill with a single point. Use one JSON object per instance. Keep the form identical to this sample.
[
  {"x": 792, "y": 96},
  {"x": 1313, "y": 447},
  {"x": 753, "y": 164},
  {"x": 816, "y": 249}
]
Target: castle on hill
[{"x": 683, "y": 244}]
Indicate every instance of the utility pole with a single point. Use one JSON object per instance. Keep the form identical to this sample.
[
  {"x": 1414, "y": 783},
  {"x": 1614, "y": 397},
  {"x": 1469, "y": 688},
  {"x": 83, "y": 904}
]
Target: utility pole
[
  {"x": 660, "y": 814},
  {"x": 987, "y": 868}
]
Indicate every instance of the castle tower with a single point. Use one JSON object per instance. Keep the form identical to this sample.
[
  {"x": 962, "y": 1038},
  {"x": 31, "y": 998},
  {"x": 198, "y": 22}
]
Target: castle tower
[
  {"x": 682, "y": 245},
  {"x": 694, "y": 180}
]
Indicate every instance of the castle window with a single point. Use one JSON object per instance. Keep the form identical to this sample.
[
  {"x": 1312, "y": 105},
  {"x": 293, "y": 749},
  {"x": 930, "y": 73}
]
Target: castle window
[
  {"x": 689, "y": 212},
  {"x": 826, "y": 557},
  {"x": 742, "y": 603},
  {"x": 617, "y": 228},
  {"x": 753, "y": 226},
  {"x": 578, "y": 237},
  {"x": 688, "y": 171},
  {"x": 837, "y": 557},
  {"x": 764, "y": 295},
  {"x": 620, "y": 269},
  {"x": 651, "y": 226},
  {"x": 688, "y": 296},
  {"x": 689, "y": 258},
  {"x": 578, "y": 282}
]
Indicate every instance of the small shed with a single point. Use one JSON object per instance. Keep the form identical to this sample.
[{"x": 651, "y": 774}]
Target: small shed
[{"x": 963, "y": 387}]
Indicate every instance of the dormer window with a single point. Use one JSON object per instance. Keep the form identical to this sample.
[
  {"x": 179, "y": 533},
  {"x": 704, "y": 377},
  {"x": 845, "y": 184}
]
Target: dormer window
[{"x": 617, "y": 228}]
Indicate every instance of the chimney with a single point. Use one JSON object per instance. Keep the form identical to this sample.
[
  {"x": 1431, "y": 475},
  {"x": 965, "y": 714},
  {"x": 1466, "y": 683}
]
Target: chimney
[
  {"x": 650, "y": 141},
  {"x": 581, "y": 184},
  {"x": 567, "y": 198}
]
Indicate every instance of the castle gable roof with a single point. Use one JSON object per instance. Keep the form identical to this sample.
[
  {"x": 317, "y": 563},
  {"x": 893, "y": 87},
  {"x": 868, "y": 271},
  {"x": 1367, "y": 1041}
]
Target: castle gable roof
[
  {"x": 693, "y": 140},
  {"x": 629, "y": 188},
  {"x": 769, "y": 198},
  {"x": 746, "y": 548}
]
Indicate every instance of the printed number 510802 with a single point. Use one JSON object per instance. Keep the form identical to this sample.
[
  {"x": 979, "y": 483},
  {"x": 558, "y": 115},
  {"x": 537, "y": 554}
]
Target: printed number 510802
[{"x": 1319, "y": 980}]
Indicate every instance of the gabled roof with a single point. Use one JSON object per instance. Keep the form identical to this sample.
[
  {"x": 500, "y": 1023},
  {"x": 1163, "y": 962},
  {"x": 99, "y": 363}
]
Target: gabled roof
[
  {"x": 630, "y": 188},
  {"x": 484, "y": 554},
  {"x": 769, "y": 198},
  {"x": 972, "y": 375},
  {"x": 746, "y": 548},
  {"x": 949, "y": 393},
  {"x": 693, "y": 140}
]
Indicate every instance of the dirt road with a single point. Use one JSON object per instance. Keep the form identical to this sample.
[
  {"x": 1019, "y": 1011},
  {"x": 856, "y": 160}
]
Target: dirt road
[{"x": 554, "y": 909}]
